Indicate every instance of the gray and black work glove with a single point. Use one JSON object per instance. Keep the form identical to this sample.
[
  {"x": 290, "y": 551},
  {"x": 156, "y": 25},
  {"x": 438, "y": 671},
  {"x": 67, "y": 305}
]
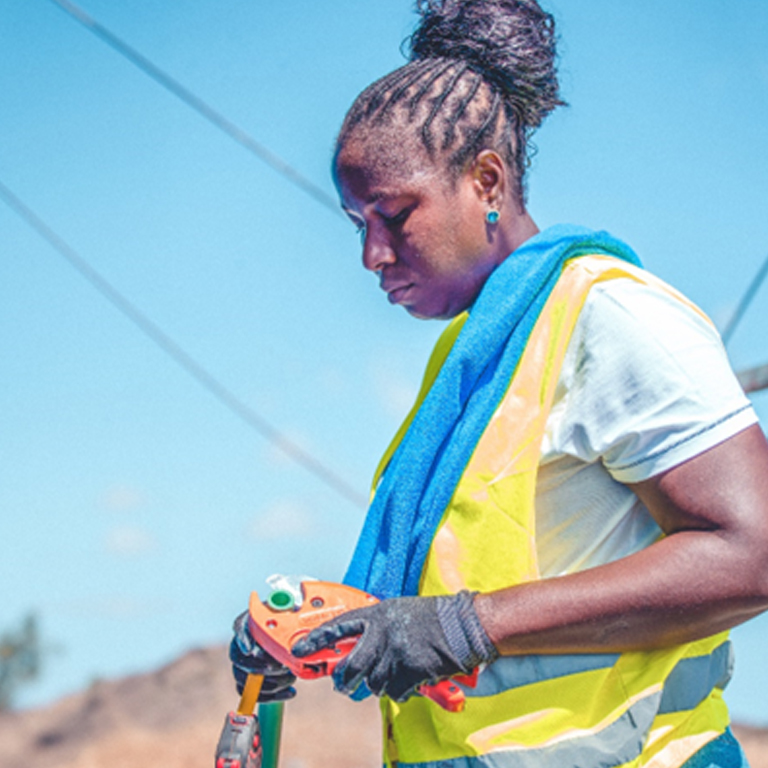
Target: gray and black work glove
[
  {"x": 404, "y": 642},
  {"x": 249, "y": 658}
]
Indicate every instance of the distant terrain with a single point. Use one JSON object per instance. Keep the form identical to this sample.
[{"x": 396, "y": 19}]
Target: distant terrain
[{"x": 171, "y": 718}]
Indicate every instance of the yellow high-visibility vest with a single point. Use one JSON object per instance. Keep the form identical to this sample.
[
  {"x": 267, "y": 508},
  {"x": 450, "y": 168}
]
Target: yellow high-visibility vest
[{"x": 611, "y": 710}]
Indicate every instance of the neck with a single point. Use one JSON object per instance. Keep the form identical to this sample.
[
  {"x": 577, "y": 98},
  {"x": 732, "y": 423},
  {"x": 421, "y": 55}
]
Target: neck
[{"x": 513, "y": 231}]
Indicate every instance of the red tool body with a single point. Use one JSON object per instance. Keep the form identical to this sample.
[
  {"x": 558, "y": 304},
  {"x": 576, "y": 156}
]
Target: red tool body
[
  {"x": 240, "y": 742},
  {"x": 277, "y": 624}
]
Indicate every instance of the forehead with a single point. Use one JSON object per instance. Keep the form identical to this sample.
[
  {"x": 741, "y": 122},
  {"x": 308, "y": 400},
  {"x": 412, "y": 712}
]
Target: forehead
[
  {"x": 377, "y": 154},
  {"x": 382, "y": 159}
]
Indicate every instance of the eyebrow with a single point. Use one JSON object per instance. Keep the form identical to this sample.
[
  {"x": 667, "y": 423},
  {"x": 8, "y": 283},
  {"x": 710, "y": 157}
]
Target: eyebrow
[{"x": 374, "y": 198}]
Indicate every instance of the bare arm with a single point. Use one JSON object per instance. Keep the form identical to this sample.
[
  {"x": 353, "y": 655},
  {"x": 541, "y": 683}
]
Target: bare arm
[{"x": 708, "y": 574}]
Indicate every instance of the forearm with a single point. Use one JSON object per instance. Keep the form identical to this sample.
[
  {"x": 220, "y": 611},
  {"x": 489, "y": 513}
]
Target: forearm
[
  {"x": 685, "y": 587},
  {"x": 708, "y": 574}
]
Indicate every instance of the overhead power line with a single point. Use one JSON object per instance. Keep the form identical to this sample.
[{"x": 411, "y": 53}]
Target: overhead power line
[
  {"x": 746, "y": 300},
  {"x": 200, "y": 106},
  {"x": 150, "y": 329},
  {"x": 751, "y": 379}
]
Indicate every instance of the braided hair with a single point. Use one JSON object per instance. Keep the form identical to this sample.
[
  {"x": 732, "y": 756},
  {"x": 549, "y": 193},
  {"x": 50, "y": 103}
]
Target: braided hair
[{"x": 481, "y": 75}]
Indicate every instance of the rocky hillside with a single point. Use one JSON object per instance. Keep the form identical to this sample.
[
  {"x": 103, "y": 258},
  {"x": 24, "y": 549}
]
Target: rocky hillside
[{"x": 172, "y": 718}]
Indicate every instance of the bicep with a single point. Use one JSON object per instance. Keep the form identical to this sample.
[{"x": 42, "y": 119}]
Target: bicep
[{"x": 723, "y": 490}]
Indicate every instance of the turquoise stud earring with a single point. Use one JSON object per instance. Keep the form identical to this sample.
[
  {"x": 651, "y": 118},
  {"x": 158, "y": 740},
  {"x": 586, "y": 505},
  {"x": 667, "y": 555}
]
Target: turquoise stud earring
[{"x": 492, "y": 217}]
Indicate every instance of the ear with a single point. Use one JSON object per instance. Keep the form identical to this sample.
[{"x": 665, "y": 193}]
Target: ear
[{"x": 489, "y": 177}]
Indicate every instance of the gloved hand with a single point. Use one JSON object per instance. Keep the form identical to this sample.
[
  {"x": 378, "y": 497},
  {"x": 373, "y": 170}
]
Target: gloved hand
[
  {"x": 404, "y": 643},
  {"x": 249, "y": 658}
]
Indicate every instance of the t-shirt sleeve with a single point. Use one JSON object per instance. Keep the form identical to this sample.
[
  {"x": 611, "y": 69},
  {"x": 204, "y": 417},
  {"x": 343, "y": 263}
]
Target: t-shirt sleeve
[{"x": 647, "y": 383}]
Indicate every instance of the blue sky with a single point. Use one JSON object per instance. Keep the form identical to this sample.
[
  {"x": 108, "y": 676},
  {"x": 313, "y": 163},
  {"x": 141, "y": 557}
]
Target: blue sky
[{"x": 137, "y": 512}]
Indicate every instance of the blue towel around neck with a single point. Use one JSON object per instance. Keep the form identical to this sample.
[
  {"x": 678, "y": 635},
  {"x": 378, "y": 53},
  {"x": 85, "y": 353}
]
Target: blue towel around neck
[{"x": 423, "y": 474}]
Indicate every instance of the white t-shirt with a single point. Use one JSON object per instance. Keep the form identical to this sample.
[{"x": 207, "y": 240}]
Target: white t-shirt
[{"x": 645, "y": 386}]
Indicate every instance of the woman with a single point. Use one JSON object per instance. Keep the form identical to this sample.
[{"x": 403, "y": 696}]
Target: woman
[{"x": 576, "y": 504}]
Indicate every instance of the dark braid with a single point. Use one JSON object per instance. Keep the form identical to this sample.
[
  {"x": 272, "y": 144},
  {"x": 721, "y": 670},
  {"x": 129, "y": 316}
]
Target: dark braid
[
  {"x": 365, "y": 108},
  {"x": 430, "y": 72},
  {"x": 448, "y": 88},
  {"x": 482, "y": 75},
  {"x": 460, "y": 109},
  {"x": 427, "y": 86}
]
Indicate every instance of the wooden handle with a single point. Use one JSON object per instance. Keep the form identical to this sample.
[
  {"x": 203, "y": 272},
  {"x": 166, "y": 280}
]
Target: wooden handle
[{"x": 250, "y": 695}]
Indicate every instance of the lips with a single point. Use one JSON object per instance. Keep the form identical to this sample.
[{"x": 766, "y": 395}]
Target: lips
[{"x": 396, "y": 293}]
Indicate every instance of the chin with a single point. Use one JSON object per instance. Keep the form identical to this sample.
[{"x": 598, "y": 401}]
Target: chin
[
  {"x": 430, "y": 315},
  {"x": 445, "y": 310},
  {"x": 420, "y": 313}
]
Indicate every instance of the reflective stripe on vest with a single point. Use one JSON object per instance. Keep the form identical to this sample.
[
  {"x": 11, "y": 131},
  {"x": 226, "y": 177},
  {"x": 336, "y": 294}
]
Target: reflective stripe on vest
[
  {"x": 617, "y": 744},
  {"x": 547, "y": 711},
  {"x": 687, "y": 685}
]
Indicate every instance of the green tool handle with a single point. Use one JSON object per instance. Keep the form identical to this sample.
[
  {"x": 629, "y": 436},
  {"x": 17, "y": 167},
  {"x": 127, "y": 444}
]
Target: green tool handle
[{"x": 271, "y": 724}]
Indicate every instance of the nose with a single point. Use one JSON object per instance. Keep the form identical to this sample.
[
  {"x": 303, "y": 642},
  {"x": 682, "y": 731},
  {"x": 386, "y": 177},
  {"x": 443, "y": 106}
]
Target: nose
[{"x": 377, "y": 249}]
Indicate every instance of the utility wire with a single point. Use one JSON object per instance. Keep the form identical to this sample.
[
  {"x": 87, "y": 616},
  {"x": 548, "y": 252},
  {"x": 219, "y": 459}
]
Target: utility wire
[
  {"x": 745, "y": 302},
  {"x": 150, "y": 329},
  {"x": 200, "y": 106},
  {"x": 751, "y": 379}
]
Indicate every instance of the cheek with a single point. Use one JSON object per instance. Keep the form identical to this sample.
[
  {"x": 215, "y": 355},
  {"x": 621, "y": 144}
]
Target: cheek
[
  {"x": 467, "y": 227},
  {"x": 469, "y": 247}
]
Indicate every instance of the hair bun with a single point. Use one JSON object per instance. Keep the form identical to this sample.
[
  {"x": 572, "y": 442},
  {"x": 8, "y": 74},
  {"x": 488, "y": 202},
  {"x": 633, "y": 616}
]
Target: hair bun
[{"x": 511, "y": 43}]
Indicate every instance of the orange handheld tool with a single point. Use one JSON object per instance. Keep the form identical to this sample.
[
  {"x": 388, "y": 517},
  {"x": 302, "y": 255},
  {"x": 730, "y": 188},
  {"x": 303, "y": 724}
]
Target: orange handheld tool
[{"x": 278, "y": 622}]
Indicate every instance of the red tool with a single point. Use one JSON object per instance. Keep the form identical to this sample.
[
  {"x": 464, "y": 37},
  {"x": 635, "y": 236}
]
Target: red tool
[
  {"x": 240, "y": 743},
  {"x": 277, "y": 623}
]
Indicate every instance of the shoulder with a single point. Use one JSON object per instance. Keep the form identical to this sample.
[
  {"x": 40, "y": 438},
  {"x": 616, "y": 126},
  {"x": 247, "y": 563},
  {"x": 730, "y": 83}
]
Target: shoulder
[
  {"x": 647, "y": 304},
  {"x": 646, "y": 383}
]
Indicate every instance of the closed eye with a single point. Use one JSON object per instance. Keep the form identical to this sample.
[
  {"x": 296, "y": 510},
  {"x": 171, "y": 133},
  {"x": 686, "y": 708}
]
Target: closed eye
[{"x": 398, "y": 219}]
